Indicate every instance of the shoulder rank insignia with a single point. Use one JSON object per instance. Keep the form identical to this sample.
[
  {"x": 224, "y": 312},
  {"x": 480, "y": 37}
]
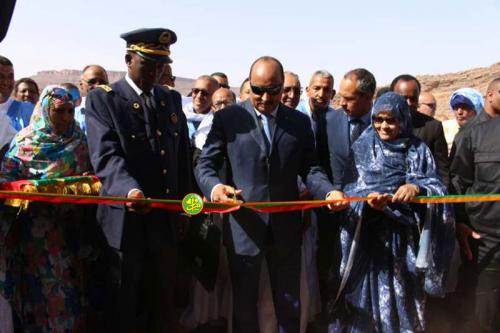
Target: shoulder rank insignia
[
  {"x": 105, "y": 87},
  {"x": 173, "y": 118}
]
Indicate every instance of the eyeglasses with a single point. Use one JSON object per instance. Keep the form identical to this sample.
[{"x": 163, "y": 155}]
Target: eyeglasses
[
  {"x": 429, "y": 105},
  {"x": 388, "y": 120},
  {"x": 203, "y": 92},
  {"x": 95, "y": 81},
  {"x": 60, "y": 94},
  {"x": 271, "y": 90},
  {"x": 172, "y": 78},
  {"x": 222, "y": 104},
  {"x": 295, "y": 90}
]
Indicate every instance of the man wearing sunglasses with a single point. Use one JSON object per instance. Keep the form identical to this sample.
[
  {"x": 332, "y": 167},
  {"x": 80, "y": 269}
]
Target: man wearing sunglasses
[
  {"x": 266, "y": 146},
  {"x": 427, "y": 104},
  {"x": 137, "y": 137},
  {"x": 201, "y": 104},
  {"x": 92, "y": 76}
]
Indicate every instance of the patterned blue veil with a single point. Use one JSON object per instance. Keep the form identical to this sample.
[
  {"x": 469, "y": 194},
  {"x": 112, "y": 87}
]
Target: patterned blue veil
[{"x": 383, "y": 166}]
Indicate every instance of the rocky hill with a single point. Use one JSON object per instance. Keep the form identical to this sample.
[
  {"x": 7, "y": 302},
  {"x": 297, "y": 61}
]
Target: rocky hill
[
  {"x": 44, "y": 78},
  {"x": 440, "y": 85}
]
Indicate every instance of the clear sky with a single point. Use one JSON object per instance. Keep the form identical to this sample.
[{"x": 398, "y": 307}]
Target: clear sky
[{"x": 388, "y": 37}]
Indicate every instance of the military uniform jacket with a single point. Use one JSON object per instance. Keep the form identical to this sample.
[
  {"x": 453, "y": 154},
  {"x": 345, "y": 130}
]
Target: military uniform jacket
[
  {"x": 129, "y": 152},
  {"x": 476, "y": 170}
]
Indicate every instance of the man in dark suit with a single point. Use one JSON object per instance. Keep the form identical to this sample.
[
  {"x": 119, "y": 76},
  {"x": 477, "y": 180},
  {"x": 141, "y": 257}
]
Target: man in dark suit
[
  {"x": 138, "y": 143},
  {"x": 320, "y": 94},
  {"x": 426, "y": 128},
  {"x": 266, "y": 145},
  {"x": 346, "y": 124},
  {"x": 343, "y": 127}
]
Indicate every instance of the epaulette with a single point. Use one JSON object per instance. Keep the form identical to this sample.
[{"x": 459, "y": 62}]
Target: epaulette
[{"x": 105, "y": 87}]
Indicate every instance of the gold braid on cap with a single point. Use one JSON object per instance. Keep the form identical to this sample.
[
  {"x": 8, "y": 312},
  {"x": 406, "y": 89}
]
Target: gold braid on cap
[{"x": 137, "y": 48}]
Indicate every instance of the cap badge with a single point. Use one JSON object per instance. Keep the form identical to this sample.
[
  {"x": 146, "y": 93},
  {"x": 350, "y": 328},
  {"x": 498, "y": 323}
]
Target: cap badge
[{"x": 164, "y": 38}]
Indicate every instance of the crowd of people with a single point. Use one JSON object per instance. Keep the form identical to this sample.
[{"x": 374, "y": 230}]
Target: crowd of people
[{"x": 386, "y": 264}]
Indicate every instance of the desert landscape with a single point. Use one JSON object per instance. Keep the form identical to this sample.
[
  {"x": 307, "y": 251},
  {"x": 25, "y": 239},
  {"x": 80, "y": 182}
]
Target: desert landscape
[{"x": 440, "y": 85}]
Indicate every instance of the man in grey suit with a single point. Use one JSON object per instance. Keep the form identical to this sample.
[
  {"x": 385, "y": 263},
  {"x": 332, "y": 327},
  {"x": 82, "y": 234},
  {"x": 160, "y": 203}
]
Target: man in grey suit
[{"x": 266, "y": 146}]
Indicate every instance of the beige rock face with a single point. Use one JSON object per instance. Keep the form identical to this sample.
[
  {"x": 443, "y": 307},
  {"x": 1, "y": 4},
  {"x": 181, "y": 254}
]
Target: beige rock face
[
  {"x": 45, "y": 78},
  {"x": 442, "y": 85}
]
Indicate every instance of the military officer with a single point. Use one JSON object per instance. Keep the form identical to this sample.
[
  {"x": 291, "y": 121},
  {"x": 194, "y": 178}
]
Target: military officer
[{"x": 138, "y": 142}]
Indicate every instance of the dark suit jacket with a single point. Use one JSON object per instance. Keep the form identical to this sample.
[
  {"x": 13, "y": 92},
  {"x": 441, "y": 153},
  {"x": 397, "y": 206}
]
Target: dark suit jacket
[
  {"x": 339, "y": 145},
  {"x": 127, "y": 153},
  {"x": 236, "y": 136},
  {"x": 431, "y": 132},
  {"x": 456, "y": 165}
]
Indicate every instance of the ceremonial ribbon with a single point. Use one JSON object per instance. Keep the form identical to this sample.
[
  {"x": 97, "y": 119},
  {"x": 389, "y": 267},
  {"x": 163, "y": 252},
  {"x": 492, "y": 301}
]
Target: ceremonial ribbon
[
  {"x": 83, "y": 190},
  {"x": 209, "y": 207},
  {"x": 174, "y": 205}
]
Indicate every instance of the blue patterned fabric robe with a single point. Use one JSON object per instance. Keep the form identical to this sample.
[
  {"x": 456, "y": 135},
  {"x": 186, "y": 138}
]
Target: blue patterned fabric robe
[{"x": 391, "y": 258}]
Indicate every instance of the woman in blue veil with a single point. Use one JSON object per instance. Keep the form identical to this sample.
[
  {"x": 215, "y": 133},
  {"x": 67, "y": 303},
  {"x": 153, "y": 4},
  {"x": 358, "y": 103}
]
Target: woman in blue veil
[{"x": 393, "y": 251}]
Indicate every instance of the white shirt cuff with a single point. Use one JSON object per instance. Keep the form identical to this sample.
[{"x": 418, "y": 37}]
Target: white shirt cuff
[
  {"x": 132, "y": 190},
  {"x": 212, "y": 191}
]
